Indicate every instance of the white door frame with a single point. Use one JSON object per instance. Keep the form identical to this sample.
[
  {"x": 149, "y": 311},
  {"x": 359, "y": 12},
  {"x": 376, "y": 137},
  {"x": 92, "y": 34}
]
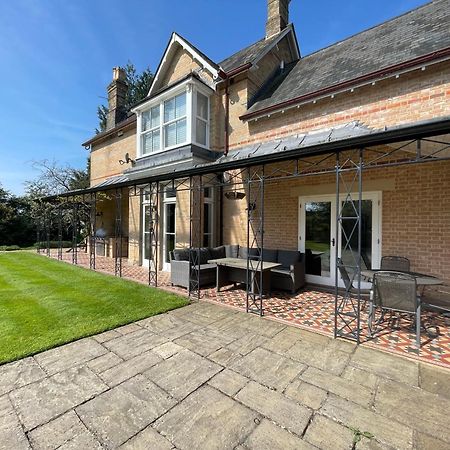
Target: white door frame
[
  {"x": 167, "y": 201},
  {"x": 376, "y": 197}
]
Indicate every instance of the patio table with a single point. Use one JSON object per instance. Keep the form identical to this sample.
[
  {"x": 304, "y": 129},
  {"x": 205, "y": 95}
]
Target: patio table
[
  {"x": 234, "y": 270},
  {"x": 421, "y": 279}
]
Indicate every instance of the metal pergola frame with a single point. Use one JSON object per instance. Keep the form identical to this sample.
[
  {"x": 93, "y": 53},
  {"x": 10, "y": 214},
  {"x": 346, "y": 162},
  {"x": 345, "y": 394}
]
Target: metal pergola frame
[{"x": 347, "y": 162}]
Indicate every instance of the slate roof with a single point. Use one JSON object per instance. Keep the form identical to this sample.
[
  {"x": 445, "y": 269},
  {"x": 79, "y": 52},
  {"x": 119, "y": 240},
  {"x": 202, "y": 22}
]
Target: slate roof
[
  {"x": 417, "y": 33},
  {"x": 252, "y": 52}
]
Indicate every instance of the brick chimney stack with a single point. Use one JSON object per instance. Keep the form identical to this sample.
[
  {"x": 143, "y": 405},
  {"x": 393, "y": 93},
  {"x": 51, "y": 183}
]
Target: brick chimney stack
[
  {"x": 117, "y": 91},
  {"x": 277, "y": 16}
]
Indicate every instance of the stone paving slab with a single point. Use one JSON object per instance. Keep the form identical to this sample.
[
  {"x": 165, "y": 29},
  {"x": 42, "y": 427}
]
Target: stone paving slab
[
  {"x": 386, "y": 365},
  {"x": 118, "y": 414},
  {"x": 129, "y": 368},
  {"x": 320, "y": 356},
  {"x": 339, "y": 386},
  {"x": 276, "y": 407},
  {"x": 307, "y": 394},
  {"x": 12, "y": 435},
  {"x": 147, "y": 439},
  {"x": 434, "y": 380},
  {"x": 228, "y": 382},
  {"x": 415, "y": 408},
  {"x": 69, "y": 355},
  {"x": 207, "y": 419},
  {"x": 134, "y": 343},
  {"x": 267, "y": 368},
  {"x": 385, "y": 430},
  {"x": 18, "y": 374},
  {"x": 268, "y": 436},
  {"x": 183, "y": 373},
  {"x": 63, "y": 432},
  {"x": 327, "y": 434},
  {"x": 104, "y": 362},
  {"x": 46, "y": 399}
]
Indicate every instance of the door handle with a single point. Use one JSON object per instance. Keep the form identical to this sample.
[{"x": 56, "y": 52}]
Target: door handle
[{"x": 333, "y": 242}]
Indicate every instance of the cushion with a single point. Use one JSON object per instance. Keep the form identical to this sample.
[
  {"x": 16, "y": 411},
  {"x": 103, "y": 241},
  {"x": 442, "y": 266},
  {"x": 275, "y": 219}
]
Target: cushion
[
  {"x": 232, "y": 251},
  {"x": 253, "y": 252},
  {"x": 288, "y": 257},
  {"x": 181, "y": 254},
  {"x": 270, "y": 255},
  {"x": 205, "y": 255},
  {"x": 217, "y": 252}
]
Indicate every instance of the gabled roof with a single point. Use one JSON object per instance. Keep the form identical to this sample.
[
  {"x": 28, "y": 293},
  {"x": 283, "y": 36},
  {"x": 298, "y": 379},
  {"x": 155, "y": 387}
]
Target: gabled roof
[
  {"x": 176, "y": 41},
  {"x": 253, "y": 53},
  {"x": 409, "y": 37}
]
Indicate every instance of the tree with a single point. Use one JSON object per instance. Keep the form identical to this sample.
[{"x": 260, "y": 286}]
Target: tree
[
  {"x": 16, "y": 224},
  {"x": 138, "y": 87},
  {"x": 56, "y": 179}
]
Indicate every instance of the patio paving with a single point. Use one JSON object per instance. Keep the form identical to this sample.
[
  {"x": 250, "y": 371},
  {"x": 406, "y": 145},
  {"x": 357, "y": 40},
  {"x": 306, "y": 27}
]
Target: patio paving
[
  {"x": 311, "y": 309},
  {"x": 185, "y": 379}
]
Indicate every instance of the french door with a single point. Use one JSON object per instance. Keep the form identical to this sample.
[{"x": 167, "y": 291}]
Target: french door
[{"x": 318, "y": 235}]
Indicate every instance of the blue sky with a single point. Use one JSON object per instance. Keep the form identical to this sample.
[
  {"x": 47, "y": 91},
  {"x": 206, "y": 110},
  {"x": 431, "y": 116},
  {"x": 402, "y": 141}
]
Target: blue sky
[{"x": 56, "y": 58}]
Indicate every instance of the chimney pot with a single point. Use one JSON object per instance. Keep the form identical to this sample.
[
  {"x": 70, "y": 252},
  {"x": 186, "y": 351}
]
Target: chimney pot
[{"x": 277, "y": 16}]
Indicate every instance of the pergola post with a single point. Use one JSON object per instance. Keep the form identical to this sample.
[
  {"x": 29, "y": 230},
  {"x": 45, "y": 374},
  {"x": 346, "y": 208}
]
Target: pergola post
[
  {"x": 255, "y": 241},
  {"x": 74, "y": 231},
  {"x": 60, "y": 206},
  {"x": 47, "y": 225},
  {"x": 195, "y": 234},
  {"x": 153, "y": 234},
  {"x": 118, "y": 233},
  {"x": 348, "y": 230},
  {"x": 92, "y": 229}
]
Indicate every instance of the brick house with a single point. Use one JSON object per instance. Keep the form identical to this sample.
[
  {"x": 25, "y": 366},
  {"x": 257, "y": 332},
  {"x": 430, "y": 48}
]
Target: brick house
[{"x": 376, "y": 104}]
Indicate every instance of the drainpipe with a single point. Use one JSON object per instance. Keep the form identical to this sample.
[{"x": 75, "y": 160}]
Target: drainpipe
[
  {"x": 227, "y": 77},
  {"x": 227, "y": 117}
]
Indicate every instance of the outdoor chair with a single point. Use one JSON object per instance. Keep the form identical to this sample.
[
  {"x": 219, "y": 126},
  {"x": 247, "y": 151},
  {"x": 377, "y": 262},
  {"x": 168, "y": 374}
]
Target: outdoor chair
[
  {"x": 352, "y": 290},
  {"x": 395, "y": 292},
  {"x": 397, "y": 263}
]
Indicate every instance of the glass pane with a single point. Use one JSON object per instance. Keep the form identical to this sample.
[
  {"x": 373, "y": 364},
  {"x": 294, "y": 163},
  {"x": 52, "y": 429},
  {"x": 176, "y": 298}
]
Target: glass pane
[
  {"x": 170, "y": 137},
  {"x": 200, "y": 135},
  {"x": 156, "y": 140},
  {"x": 349, "y": 234},
  {"x": 146, "y": 218},
  {"x": 169, "y": 110},
  {"x": 170, "y": 218},
  {"x": 146, "y": 120},
  {"x": 202, "y": 106},
  {"x": 147, "y": 144},
  {"x": 146, "y": 245},
  {"x": 180, "y": 109},
  {"x": 170, "y": 245},
  {"x": 206, "y": 218},
  {"x": 181, "y": 131},
  {"x": 170, "y": 192},
  {"x": 155, "y": 117},
  {"x": 317, "y": 238}
]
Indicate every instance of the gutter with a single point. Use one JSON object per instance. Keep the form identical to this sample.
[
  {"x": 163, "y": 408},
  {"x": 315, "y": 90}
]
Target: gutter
[{"x": 382, "y": 73}]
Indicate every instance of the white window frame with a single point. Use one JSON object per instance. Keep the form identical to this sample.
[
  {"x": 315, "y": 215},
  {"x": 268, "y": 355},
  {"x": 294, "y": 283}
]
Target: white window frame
[
  {"x": 211, "y": 223},
  {"x": 190, "y": 87}
]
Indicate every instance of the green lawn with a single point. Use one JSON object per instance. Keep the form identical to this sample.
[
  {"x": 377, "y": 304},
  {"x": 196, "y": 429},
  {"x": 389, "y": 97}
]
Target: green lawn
[{"x": 45, "y": 303}]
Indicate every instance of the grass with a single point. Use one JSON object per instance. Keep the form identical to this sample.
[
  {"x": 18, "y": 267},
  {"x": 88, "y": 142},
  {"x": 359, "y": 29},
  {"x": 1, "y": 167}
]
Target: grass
[{"x": 45, "y": 303}]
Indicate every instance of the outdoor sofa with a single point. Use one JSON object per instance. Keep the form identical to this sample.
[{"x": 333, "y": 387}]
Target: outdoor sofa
[{"x": 289, "y": 276}]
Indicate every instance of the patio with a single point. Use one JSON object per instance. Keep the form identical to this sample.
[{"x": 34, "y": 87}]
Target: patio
[
  {"x": 310, "y": 309},
  {"x": 170, "y": 379}
]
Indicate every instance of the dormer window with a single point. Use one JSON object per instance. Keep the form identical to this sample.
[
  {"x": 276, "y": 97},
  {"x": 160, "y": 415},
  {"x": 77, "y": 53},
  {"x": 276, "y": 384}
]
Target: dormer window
[{"x": 175, "y": 118}]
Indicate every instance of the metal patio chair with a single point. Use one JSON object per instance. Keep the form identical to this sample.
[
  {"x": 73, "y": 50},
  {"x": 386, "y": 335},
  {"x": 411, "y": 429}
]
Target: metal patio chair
[
  {"x": 395, "y": 292},
  {"x": 397, "y": 263},
  {"x": 352, "y": 290}
]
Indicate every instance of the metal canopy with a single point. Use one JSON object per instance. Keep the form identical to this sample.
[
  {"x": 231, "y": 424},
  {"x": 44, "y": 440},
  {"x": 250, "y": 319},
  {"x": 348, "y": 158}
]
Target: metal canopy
[{"x": 347, "y": 163}]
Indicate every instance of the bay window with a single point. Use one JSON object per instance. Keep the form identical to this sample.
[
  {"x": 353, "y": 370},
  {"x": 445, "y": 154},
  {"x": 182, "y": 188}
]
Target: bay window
[{"x": 173, "y": 119}]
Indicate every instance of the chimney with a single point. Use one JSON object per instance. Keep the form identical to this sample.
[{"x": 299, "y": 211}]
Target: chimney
[
  {"x": 277, "y": 16},
  {"x": 117, "y": 91}
]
